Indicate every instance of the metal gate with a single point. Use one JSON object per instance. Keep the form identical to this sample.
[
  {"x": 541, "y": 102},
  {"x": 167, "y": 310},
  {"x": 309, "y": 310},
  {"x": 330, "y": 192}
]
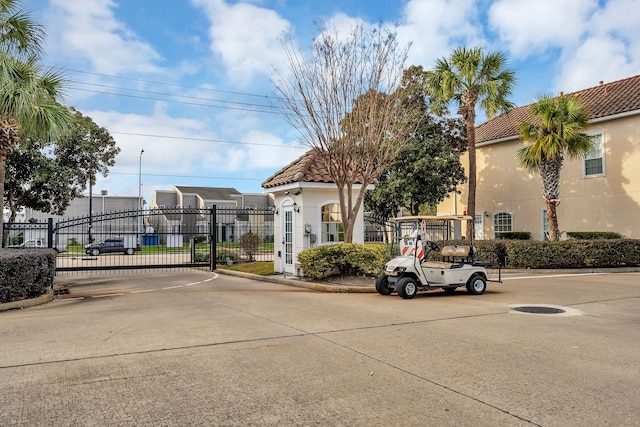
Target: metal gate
[{"x": 172, "y": 238}]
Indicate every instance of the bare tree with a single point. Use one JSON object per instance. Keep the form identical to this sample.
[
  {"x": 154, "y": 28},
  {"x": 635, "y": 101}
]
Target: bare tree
[{"x": 347, "y": 103}]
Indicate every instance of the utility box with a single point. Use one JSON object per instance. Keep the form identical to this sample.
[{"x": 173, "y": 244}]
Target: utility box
[
  {"x": 130, "y": 241},
  {"x": 174, "y": 240}
]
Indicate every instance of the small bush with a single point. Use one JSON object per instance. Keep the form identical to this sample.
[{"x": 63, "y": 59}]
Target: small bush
[
  {"x": 250, "y": 243},
  {"x": 514, "y": 235},
  {"x": 591, "y": 235},
  {"x": 224, "y": 256},
  {"x": 26, "y": 273},
  {"x": 346, "y": 259},
  {"x": 200, "y": 238}
]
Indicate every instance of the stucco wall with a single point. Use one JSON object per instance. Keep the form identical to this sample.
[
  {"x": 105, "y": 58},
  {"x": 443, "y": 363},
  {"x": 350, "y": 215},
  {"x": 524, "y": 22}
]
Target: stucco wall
[
  {"x": 607, "y": 203},
  {"x": 308, "y": 202}
]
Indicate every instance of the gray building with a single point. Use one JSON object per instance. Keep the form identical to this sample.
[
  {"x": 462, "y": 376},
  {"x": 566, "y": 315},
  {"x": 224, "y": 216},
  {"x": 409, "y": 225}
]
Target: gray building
[
  {"x": 165, "y": 219},
  {"x": 87, "y": 226}
]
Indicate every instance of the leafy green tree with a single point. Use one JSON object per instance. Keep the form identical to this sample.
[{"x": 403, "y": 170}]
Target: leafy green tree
[
  {"x": 471, "y": 78},
  {"x": 46, "y": 177},
  {"x": 29, "y": 92},
  {"x": 429, "y": 169},
  {"x": 554, "y": 132},
  {"x": 88, "y": 148}
]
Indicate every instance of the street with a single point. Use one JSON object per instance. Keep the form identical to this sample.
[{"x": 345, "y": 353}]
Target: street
[{"x": 202, "y": 349}]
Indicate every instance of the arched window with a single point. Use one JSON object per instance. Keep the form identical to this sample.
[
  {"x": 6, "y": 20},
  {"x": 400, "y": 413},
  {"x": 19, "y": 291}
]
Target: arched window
[
  {"x": 331, "y": 227},
  {"x": 502, "y": 223}
]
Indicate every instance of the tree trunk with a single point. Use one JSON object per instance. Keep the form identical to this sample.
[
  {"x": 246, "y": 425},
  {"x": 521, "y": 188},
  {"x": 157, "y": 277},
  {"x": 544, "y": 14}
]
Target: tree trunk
[
  {"x": 3, "y": 170},
  {"x": 550, "y": 174},
  {"x": 471, "y": 197},
  {"x": 552, "y": 219}
]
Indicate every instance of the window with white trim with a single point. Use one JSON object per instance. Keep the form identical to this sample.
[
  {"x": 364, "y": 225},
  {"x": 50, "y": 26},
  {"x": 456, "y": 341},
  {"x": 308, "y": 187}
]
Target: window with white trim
[
  {"x": 502, "y": 223},
  {"x": 332, "y": 230},
  {"x": 594, "y": 159}
]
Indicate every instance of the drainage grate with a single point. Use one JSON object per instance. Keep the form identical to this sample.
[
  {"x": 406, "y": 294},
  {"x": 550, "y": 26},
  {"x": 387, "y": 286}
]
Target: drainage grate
[{"x": 538, "y": 310}]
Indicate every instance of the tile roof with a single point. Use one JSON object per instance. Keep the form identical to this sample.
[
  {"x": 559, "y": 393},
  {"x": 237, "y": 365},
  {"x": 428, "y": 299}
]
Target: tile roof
[
  {"x": 307, "y": 168},
  {"x": 604, "y": 100}
]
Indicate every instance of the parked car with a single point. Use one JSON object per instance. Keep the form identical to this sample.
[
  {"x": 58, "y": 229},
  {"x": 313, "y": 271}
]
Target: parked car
[
  {"x": 115, "y": 244},
  {"x": 39, "y": 243}
]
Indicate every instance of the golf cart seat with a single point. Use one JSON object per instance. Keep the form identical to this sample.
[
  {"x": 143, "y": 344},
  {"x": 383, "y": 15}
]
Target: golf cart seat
[{"x": 453, "y": 256}]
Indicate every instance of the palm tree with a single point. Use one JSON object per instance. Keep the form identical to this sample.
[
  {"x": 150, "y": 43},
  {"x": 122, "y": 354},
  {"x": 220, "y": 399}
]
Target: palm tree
[
  {"x": 28, "y": 92},
  {"x": 471, "y": 77},
  {"x": 556, "y": 131}
]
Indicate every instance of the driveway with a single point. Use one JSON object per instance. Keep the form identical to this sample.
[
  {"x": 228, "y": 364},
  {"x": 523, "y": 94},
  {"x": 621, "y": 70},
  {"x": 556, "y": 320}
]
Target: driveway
[{"x": 202, "y": 349}]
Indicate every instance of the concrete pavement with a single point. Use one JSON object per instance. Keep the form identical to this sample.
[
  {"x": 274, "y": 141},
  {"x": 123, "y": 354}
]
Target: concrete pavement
[{"x": 205, "y": 349}]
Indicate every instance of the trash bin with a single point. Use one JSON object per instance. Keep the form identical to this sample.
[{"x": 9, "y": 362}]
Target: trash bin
[{"x": 149, "y": 240}]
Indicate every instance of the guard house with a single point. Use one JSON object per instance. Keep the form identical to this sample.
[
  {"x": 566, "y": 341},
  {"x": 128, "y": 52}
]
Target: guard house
[{"x": 307, "y": 211}]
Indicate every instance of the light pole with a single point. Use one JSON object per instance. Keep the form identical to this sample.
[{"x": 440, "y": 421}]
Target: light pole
[{"x": 140, "y": 193}]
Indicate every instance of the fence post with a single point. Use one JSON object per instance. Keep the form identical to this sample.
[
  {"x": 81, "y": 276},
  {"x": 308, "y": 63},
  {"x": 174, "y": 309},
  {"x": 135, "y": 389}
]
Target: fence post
[
  {"x": 50, "y": 232},
  {"x": 213, "y": 237}
]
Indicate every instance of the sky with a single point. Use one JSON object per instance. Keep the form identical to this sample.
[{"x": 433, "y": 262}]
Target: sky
[{"x": 191, "y": 82}]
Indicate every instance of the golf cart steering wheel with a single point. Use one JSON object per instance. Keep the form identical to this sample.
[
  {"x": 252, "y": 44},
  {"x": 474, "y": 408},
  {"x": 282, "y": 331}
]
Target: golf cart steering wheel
[{"x": 433, "y": 246}]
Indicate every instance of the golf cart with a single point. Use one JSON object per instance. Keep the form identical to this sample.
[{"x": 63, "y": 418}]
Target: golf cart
[{"x": 412, "y": 271}]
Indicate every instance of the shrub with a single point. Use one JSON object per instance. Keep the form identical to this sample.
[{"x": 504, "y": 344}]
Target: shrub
[
  {"x": 250, "y": 243},
  {"x": 224, "y": 256},
  {"x": 26, "y": 273},
  {"x": 591, "y": 235},
  {"x": 574, "y": 253},
  {"x": 200, "y": 238},
  {"x": 514, "y": 235},
  {"x": 346, "y": 259}
]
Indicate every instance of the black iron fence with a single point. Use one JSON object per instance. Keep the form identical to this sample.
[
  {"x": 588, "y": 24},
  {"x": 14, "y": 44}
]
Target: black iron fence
[{"x": 152, "y": 239}]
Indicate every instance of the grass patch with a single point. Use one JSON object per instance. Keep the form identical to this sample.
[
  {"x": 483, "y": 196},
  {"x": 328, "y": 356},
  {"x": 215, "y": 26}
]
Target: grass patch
[{"x": 262, "y": 268}]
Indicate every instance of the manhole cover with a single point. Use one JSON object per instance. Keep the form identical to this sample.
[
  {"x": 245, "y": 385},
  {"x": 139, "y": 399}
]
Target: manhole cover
[{"x": 538, "y": 310}]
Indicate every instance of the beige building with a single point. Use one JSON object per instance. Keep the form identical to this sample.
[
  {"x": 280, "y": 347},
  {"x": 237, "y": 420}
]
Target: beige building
[{"x": 598, "y": 192}]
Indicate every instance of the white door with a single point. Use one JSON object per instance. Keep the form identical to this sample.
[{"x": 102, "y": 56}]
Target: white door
[{"x": 288, "y": 241}]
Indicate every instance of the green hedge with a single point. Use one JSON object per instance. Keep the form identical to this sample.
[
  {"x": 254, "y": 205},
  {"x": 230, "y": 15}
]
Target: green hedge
[
  {"x": 347, "y": 259},
  {"x": 591, "y": 235},
  {"x": 369, "y": 259},
  {"x": 574, "y": 254},
  {"x": 514, "y": 235},
  {"x": 26, "y": 273}
]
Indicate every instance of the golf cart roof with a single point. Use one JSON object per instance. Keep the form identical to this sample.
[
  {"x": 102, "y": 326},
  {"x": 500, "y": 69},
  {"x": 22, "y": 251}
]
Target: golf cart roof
[{"x": 433, "y": 218}]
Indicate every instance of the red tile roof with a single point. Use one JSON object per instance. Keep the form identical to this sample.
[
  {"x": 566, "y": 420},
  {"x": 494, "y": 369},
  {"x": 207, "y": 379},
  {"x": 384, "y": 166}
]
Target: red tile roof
[
  {"x": 307, "y": 168},
  {"x": 604, "y": 100}
]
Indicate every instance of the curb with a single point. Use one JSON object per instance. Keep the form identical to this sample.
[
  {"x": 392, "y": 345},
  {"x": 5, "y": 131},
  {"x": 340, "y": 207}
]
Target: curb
[
  {"x": 299, "y": 283},
  {"x": 327, "y": 287},
  {"x": 25, "y": 303}
]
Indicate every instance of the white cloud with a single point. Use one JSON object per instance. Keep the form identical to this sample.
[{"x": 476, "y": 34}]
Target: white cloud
[
  {"x": 529, "y": 28},
  {"x": 609, "y": 51},
  {"x": 246, "y": 37},
  {"x": 90, "y": 31},
  {"x": 160, "y": 154},
  {"x": 434, "y": 27},
  {"x": 597, "y": 59}
]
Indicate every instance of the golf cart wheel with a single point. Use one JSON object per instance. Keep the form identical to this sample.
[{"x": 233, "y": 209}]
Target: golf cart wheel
[
  {"x": 129, "y": 251},
  {"x": 407, "y": 288},
  {"x": 95, "y": 251},
  {"x": 449, "y": 290},
  {"x": 477, "y": 285},
  {"x": 382, "y": 285}
]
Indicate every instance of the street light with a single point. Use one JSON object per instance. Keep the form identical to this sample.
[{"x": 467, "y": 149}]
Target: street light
[{"x": 140, "y": 193}]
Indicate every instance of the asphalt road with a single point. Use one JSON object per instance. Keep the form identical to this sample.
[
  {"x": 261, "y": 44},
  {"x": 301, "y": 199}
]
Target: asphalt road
[{"x": 197, "y": 349}]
